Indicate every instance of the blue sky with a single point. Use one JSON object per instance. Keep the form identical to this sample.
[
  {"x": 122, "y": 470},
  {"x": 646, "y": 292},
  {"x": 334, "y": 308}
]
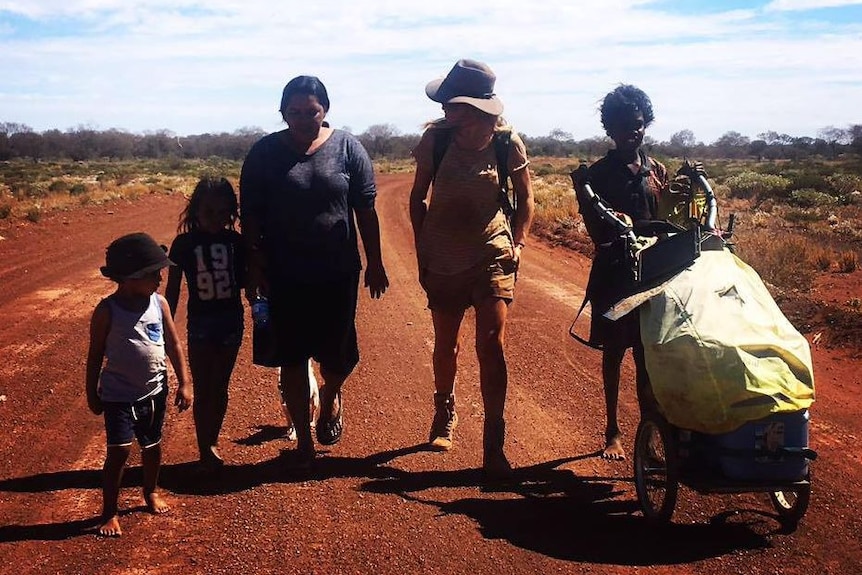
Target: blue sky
[{"x": 193, "y": 66}]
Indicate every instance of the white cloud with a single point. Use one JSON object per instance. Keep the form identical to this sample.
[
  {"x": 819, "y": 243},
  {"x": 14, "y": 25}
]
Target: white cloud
[
  {"x": 794, "y": 5},
  {"x": 194, "y": 67}
]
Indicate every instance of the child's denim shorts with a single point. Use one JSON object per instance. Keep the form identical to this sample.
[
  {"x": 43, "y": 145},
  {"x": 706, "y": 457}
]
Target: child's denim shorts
[
  {"x": 141, "y": 420},
  {"x": 223, "y": 328}
]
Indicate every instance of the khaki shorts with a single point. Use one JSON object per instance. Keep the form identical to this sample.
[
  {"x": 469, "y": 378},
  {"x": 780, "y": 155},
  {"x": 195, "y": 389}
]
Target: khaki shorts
[{"x": 460, "y": 291}]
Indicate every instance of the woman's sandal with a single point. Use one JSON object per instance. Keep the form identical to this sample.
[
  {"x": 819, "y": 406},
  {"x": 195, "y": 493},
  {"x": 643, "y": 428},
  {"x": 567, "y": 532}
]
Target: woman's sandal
[{"x": 329, "y": 432}]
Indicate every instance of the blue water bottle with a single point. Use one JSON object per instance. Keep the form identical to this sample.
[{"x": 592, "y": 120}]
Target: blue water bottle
[
  {"x": 260, "y": 311},
  {"x": 264, "y": 349}
]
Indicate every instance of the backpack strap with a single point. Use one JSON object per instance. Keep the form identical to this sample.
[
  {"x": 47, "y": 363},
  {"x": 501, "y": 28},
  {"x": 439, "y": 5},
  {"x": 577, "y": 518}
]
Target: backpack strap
[
  {"x": 502, "y": 140},
  {"x": 442, "y": 138}
]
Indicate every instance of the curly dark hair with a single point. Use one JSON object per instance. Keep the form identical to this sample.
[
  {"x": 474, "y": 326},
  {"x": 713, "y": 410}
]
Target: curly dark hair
[
  {"x": 623, "y": 100},
  {"x": 208, "y": 186}
]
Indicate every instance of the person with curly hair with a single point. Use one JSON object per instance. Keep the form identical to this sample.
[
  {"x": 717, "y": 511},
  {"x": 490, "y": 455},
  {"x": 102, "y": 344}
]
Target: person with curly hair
[{"x": 632, "y": 184}]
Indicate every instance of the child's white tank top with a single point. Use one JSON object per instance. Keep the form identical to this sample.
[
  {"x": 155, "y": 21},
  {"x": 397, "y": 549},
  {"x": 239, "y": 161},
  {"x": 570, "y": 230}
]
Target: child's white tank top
[{"x": 135, "y": 352}]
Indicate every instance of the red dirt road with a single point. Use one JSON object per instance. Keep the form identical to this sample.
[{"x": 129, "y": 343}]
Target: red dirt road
[{"x": 378, "y": 503}]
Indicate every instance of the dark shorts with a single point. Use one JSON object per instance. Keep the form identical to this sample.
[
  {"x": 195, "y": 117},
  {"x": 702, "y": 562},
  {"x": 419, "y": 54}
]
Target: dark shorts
[
  {"x": 460, "y": 291},
  {"x": 142, "y": 420},
  {"x": 223, "y": 328},
  {"x": 316, "y": 321}
]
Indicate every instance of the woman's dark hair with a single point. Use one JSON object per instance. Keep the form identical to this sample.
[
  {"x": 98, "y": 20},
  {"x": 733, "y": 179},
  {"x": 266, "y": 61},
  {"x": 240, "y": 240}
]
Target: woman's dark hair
[
  {"x": 307, "y": 86},
  {"x": 624, "y": 101},
  {"x": 208, "y": 187}
]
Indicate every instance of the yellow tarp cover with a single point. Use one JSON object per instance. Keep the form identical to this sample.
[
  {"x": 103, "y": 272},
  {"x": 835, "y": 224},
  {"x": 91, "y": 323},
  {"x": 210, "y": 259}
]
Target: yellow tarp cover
[{"x": 718, "y": 350}]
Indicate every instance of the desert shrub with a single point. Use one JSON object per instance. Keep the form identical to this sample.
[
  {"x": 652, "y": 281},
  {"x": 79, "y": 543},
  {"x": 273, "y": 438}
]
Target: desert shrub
[
  {"x": 785, "y": 261},
  {"x": 78, "y": 189},
  {"x": 34, "y": 213},
  {"x": 752, "y": 184},
  {"x": 58, "y": 186},
  {"x": 772, "y": 169},
  {"x": 807, "y": 180},
  {"x": 801, "y": 215},
  {"x": 848, "y": 261},
  {"x": 811, "y": 198},
  {"x": 843, "y": 184},
  {"x": 5, "y": 210},
  {"x": 823, "y": 260},
  {"x": 543, "y": 170}
]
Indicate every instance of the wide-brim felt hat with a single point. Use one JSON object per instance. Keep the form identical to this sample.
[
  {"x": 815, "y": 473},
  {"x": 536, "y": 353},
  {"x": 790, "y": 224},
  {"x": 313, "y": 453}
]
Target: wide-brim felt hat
[
  {"x": 133, "y": 256},
  {"x": 468, "y": 82}
]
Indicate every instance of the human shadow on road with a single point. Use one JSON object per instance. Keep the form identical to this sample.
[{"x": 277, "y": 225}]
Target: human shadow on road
[
  {"x": 559, "y": 514},
  {"x": 66, "y": 479},
  {"x": 264, "y": 434},
  {"x": 184, "y": 477},
  {"x": 49, "y": 531}
]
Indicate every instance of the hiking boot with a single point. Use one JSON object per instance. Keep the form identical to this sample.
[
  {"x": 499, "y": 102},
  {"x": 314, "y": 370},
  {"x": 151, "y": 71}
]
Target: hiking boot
[
  {"x": 495, "y": 466},
  {"x": 445, "y": 421}
]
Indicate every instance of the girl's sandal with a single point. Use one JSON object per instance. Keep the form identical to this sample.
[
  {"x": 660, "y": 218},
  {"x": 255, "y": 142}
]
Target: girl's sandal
[{"x": 329, "y": 432}]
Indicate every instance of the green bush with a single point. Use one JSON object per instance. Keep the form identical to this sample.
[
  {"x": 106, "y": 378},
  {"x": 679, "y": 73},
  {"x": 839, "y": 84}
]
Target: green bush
[
  {"x": 58, "y": 186},
  {"x": 843, "y": 184},
  {"x": 543, "y": 170},
  {"x": 78, "y": 189},
  {"x": 801, "y": 215},
  {"x": 810, "y": 198},
  {"x": 754, "y": 185},
  {"x": 807, "y": 180}
]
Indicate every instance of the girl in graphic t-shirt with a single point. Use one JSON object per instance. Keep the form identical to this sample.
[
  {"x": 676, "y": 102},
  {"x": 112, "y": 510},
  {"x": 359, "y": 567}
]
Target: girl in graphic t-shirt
[{"x": 207, "y": 252}]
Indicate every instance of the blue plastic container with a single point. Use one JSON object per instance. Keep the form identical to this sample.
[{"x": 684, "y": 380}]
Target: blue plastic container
[{"x": 769, "y": 449}]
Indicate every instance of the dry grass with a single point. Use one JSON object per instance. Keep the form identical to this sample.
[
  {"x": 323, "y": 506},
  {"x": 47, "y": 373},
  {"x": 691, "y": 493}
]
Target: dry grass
[
  {"x": 30, "y": 190},
  {"x": 848, "y": 262}
]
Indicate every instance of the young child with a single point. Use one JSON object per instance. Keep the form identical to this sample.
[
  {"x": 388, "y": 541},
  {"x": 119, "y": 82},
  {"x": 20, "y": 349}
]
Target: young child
[
  {"x": 207, "y": 251},
  {"x": 131, "y": 331}
]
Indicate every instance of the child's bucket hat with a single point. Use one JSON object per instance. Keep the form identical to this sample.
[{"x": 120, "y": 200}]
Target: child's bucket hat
[
  {"x": 133, "y": 256},
  {"x": 469, "y": 82}
]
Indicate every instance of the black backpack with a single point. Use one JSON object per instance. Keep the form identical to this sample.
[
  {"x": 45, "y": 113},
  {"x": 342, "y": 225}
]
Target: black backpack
[{"x": 501, "y": 141}]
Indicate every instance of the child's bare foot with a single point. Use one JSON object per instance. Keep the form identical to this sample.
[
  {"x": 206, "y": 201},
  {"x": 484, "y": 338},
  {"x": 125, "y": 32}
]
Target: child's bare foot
[
  {"x": 156, "y": 504},
  {"x": 111, "y": 527},
  {"x": 614, "y": 449}
]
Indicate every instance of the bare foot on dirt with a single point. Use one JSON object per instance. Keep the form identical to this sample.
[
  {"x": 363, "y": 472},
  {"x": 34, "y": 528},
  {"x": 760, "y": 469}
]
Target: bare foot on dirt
[
  {"x": 111, "y": 527},
  {"x": 156, "y": 504},
  {"x": 614, "y": 449}
]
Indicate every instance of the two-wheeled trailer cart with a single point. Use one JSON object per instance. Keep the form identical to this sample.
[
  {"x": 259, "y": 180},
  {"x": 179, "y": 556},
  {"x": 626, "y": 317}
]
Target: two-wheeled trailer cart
[
  {"x": 666, "y": 457},
  {"x": 769, "y": 456}
]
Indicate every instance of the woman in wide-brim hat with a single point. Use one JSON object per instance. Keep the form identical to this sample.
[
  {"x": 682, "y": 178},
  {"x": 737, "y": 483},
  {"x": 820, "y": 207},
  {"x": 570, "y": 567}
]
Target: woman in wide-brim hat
[{"x": 467, "y": 249}]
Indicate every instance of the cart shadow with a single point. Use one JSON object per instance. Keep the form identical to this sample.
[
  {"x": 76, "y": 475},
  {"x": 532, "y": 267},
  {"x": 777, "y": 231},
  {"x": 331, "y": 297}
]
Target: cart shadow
[{"x": 561, "y": 515}]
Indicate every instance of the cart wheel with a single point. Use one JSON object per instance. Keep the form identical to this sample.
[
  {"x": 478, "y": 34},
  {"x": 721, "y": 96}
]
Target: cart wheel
[
  {"x": 791, "y": 504},
  {"x": 656, "y": 468}
]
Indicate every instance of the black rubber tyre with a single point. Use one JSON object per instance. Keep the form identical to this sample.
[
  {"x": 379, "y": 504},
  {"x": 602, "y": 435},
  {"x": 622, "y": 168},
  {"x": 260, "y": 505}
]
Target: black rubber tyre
[
  {"x": 791, "y": 504},
  {"x": 656, "y": 468}
]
